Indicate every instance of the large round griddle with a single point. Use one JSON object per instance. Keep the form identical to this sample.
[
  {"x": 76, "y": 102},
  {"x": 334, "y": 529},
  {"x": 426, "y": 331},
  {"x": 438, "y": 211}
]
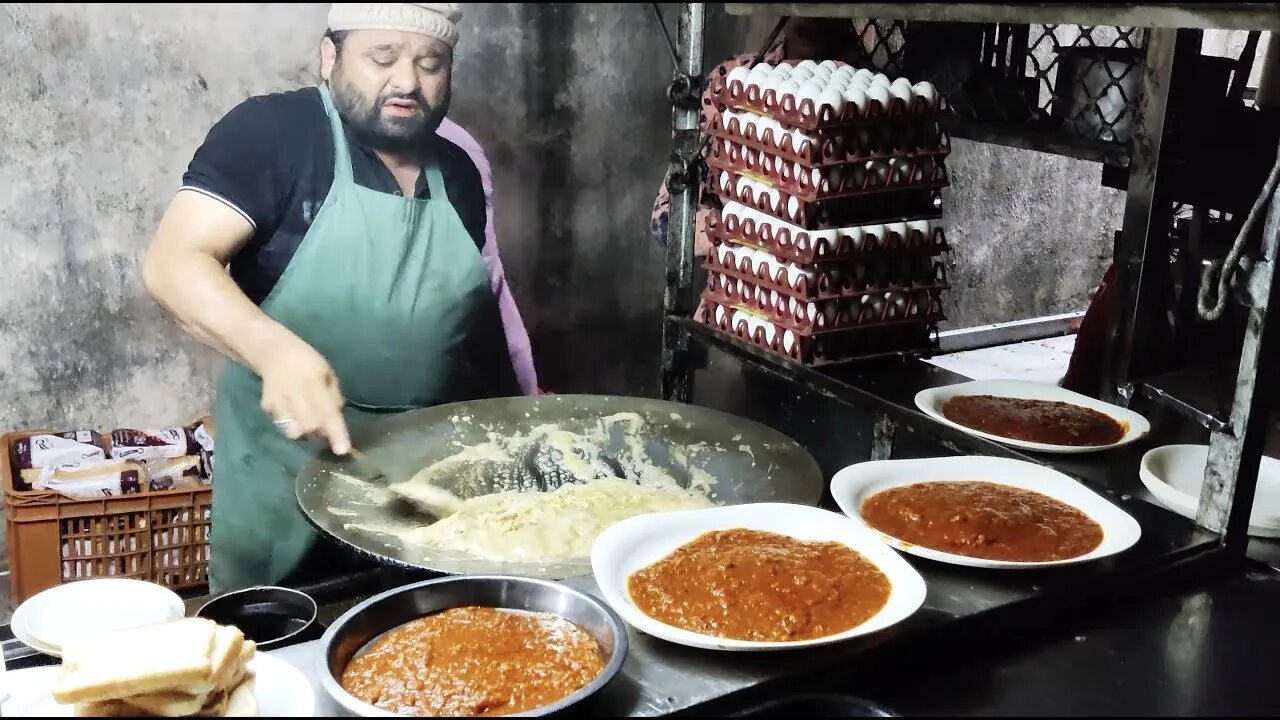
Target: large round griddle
[{"x": 749, "y": 462}]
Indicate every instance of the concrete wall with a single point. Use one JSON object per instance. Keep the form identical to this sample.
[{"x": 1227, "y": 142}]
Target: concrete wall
[{"x": 102, "y": 107}]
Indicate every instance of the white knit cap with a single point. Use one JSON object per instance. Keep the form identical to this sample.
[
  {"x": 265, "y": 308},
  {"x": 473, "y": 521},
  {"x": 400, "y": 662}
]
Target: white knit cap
[{"x": 437, "y": 20}]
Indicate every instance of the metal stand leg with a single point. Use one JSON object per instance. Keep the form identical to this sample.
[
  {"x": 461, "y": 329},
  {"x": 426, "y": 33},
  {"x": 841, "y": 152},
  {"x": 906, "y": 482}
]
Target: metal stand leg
[
  {"x": 677, "y": 301},
  {"x": 1226, "y": 498},
  {"x": 1142, "y": 253}
]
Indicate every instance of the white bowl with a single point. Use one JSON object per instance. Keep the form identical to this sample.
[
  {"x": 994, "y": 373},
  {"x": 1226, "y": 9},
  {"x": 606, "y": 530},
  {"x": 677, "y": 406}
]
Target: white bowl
[
  {"x": 930, "y": 403},
  {"x": 637, "y": 542},
  {"x": 1174, "y": 474},
  {"x": 853, "y": 485}
]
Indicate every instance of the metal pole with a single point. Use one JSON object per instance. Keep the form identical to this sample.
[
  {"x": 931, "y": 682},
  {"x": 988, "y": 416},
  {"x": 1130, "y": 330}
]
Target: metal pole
[
  {"x": 1142, "y": 252},
  {"x": 1231, "y": 475},
  {"x": 678, "y": 297}
]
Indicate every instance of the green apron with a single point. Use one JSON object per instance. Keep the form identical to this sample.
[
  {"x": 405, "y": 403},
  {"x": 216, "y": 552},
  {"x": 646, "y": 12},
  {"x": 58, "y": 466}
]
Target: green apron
[{"x": 393, "y": 292}]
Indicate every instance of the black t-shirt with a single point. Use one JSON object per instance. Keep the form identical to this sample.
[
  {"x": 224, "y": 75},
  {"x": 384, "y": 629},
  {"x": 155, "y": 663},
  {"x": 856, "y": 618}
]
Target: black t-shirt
[{"x": 271, "y": 159}]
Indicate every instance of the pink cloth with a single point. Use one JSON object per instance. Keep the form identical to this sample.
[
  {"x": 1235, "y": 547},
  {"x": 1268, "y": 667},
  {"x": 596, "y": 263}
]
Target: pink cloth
[{"x": 512, "y": 324}]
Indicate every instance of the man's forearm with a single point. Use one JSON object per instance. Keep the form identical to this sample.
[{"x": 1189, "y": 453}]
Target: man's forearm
[{"x": 196, "y": 290}]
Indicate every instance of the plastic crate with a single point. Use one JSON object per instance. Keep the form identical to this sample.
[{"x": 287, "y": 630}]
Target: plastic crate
[{"x": 160, "y": 536}]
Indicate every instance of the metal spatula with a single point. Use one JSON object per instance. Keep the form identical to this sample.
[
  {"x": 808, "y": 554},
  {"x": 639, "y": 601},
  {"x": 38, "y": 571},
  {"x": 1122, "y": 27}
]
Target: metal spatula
[{"x": 427, "y": 497}]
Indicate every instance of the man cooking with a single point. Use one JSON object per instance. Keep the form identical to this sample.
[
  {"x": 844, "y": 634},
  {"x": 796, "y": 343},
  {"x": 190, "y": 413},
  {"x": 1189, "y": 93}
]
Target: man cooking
[{"x": 364, "y": 276}]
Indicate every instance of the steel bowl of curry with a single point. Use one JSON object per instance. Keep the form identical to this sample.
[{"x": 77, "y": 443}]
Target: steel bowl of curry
[
  {"x": 764, "y": 576},
  {"x": 472, "y": 646},
  {"x": 983, "y": 511}
]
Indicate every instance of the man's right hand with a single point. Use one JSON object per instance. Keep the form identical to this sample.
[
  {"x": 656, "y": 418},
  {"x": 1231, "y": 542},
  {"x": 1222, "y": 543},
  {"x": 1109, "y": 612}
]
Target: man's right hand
[
  {"x": 185, "y": 270},
  {"x": 301, "y": 393}
]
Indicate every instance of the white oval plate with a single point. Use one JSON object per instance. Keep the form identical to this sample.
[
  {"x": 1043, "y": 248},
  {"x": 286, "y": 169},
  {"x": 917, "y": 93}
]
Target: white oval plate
[
  {"x": 854, "y": 484},
  {"x": 637, "y": 542},
  {"x": 280, "y": 689},
  {"x": 930, "y": 402},
  {"x": 75, "y": 608},
  {"x": 1174, "y": 474}
]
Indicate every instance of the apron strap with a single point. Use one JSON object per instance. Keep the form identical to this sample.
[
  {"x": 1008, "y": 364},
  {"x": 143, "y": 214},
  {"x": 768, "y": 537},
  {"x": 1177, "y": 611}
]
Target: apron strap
[
  {"x": 435, "y": 179},
  {"x": 341, "y": 153}
]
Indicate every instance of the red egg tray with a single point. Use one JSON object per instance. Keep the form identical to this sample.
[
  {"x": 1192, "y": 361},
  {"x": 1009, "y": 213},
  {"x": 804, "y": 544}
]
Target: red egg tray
[
  {"x": 867, "y": 209},
  {"x": 925, "y": 171},
  {"x": 785, "y": 110},
  {"x": 920, "y": 304},
  {"x": 878, "y": 141},
  {"x": 857, "y": 343},
  {"x": 801, "y": 247},
  {"x": 857, "y": 278}
]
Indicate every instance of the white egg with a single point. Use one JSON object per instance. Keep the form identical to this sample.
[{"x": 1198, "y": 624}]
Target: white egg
[
  {"x": 874, "y": 237},
  {"x": 830, "y": 65},
  {"x": 833, "y": 100},
  {"x": 807, "y": 65},
  {"x": 880, "y": 94},
  {"x": 811, "y": 93},
  {"x": 903, "y": 83},
  {"x": 899, "y": 228},
  {"x": 769, "y": 194},
  {"x": 861, "y": 82},
  {"x": 836, "y": 175},
  {"x": 844, "y": 71},
  {"x": 738, "y": 74},
  {"x": 760, "y": 70},
  {"x": 858, "y": 98},
  {"x": 881, "y": 80},
  {"x": 801, "y": 73},
  {"x": 920, "y": 225},
  {"x": 785, "y": 90},
  {"x": 814, "y": 84},
  {"x": 864, "y": 73},
  {"x": 878, "y": 172},
  {"x": 780, "y": 75},
  {"x": 897, "y": 304},
  {"x": 859, "y": 176},
  {"x": 927, "y": 92},
  {"x": 902, "y": 94},
  {"x": 784, "y": 66},
  {"x": 824, "y": 239},
  {"x": 793, "y": 207},
  {"x": 900, "y": 171}
]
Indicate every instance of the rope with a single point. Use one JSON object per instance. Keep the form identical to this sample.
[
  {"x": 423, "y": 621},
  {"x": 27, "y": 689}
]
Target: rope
[{"x": 1227, "y": 267}]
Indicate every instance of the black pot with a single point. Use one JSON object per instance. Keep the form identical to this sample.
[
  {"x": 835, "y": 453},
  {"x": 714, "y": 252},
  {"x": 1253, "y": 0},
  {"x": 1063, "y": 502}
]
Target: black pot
[{"x": 272, "y": 617}]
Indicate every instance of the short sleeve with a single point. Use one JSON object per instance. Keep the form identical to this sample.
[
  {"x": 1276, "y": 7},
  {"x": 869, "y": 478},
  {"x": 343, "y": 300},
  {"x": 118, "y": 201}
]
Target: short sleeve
[{"x": 239, "y": 164}]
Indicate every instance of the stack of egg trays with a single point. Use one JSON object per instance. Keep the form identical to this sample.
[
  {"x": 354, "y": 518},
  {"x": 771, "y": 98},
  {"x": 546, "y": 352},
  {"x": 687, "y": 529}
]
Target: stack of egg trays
[
  {"x": 817, "y": 296},
  {"x": 826, "y": 249}
]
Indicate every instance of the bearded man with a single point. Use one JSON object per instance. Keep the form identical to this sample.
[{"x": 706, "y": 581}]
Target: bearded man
[{"x": 363, "y": 273}]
